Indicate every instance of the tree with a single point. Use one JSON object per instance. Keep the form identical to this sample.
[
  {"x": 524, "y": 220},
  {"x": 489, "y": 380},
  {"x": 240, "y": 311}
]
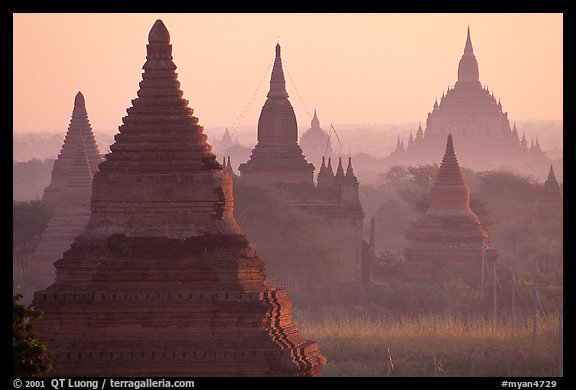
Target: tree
[
  {"x": 283, "y": 235},
  {"x": 29, "y": 220},
  {"x": 28, "y": 353}
]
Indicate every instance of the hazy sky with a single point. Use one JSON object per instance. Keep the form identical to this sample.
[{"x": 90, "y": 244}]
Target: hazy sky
[{"x": 353, "y": 68}]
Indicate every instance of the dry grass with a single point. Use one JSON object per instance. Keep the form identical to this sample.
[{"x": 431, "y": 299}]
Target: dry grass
[{"x": 431, "y": 345}]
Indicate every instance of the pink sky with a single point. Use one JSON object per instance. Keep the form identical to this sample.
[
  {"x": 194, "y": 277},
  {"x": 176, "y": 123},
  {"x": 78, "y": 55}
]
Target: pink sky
[{"x": 353, "y": 68}]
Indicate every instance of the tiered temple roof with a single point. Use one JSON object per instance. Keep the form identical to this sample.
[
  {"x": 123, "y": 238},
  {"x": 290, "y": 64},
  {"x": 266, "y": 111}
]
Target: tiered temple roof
[
  {"x": 79, "y": 128},
  {"x": 70, "y": 217},
  {"x": 474, "y": 117},
  {"x": 449, "y": 231},
  {"x": 277, "y": 150},
  {"x": 162, "y": 282}
]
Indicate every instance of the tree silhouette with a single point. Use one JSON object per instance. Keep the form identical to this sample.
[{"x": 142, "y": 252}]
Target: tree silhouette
[{"x": 28, "y": 353}]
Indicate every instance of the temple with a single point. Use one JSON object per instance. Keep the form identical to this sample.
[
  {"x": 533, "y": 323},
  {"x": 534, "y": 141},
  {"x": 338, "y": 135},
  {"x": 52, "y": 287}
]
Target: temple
[
  {"x": 550, "y": 205},
  {"x": 162, "y": 239},
  {"x": 315, "y": 142},
  {"x": 277, "y": 159},
  {"x": 79, "y": 129},
  {"x": 449, "y": 234},
  {"x": 476, "y": 120},
  {"x": 277, "y": 149},
  {"x": 71, "y": 214}
]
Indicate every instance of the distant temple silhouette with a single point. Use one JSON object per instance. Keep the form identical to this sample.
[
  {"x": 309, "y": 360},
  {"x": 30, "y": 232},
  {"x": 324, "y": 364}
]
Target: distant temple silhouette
[
  {"x": 68, "y": 193},
  {"x": 79, "y": 126},
  {"x": 277, "y": 158},
  {"x": 315, "y": 142},
  {"x": 477, "y": 122},
  {"x": 449, "y": 234}
]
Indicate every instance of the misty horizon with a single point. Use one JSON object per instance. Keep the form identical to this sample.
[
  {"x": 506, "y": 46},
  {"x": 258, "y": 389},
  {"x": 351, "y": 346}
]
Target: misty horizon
[{"x": 361, "y": 75}]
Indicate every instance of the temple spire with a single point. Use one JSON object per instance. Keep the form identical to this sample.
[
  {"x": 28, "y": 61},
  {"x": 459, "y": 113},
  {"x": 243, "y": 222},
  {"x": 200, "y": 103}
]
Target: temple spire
[
  {"x": 468, "y": 66},
  {"x": 340, "y": 169},
  {"x": 349, "y": 169},
  {"x": 315, "y": 124},
  {"x": 277, "y": 81},
  {"x": 468, "y": 50},
  {"x": 449, "y": 173},
  {"x": 329, "y": 166},
  {"x": 159, "y": 49},
  {"x": 551, "y": 177}
]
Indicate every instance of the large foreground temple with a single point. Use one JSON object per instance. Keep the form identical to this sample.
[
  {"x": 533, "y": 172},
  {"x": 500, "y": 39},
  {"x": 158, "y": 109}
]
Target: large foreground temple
[{"x": 162, "y": 282}]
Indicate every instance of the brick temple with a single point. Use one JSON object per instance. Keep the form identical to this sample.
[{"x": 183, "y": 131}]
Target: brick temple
[
  {"x": 476, "y": 119},
  {"x": 79, "y": 126},
  {"x": 71, "y": 214},
  {"x": 162, "y": 282},
  {"x": 278, "y": 159},
  {"x": 550, "y": 205},
  {"x": 449, "y": 235}
]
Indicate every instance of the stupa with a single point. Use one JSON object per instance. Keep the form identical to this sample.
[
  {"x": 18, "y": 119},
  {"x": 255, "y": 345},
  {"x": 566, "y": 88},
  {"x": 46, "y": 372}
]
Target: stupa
[
  {"x": 449, "y": 234},
  {"x": 162, "y": 282},
  {"x": 71, "y": 214},
  {"x": 277, "y": 149},
  {"x": 79, "y": 129},
  {"x": 550, "y": 203}
]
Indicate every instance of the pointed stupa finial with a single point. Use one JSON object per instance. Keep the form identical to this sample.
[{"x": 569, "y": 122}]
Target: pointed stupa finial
[
  {"x": 349, "y": 169},
  {"x": 323, "y": 166},
  {"x": 315, "y": 124},
  {"x": 79, "y": 100},
  {"x": 449, "y": 172},
  {"x": 329, "y": 167},
  {"x": 551, "y": 176},
  {"x": 159, "y": 49},
  {"x": 228, "y": 165},
  {"x": 468, "y": 65},
  {"x": 435, "y": 104},
  {"x": 277, "y": 80},
  {"x": 468, "y": 49},
  {"x": 340, "y": 169},
  {"x": 158, "y": 33}
]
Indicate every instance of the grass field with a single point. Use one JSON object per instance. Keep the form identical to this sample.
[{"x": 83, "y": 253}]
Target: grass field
[{"x": 357, "y": 344}]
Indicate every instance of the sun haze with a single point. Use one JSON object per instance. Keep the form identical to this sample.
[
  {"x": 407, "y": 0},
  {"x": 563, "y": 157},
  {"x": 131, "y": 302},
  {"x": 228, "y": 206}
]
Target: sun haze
[{"x": 353, "y": 68}]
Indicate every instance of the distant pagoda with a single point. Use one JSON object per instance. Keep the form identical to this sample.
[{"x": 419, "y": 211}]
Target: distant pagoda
[
  {"x": 449, "y": 233},
  {"x": 315, "y": 142},
  {"x": 71, "y": 214},
  {"x": 277, "y": 159},
  {"x": 79, "y": 129},
  {"x": 162, "y": 282},
  {"x": 475, "y": 118},
  {"x": 277, "y": 150},
  {"x": 550, "y": 204}
]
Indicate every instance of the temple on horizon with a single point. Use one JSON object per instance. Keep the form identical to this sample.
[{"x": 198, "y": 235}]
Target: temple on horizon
[{"x": 478, "y": 124}]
